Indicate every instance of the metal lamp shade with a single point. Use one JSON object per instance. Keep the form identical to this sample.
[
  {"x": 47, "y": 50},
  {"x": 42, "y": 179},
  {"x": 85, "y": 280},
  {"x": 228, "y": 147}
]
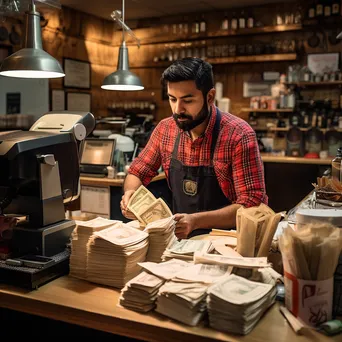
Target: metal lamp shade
[
  {"x": 122, "y": 79},
  {"x": 31, "y": 61}
]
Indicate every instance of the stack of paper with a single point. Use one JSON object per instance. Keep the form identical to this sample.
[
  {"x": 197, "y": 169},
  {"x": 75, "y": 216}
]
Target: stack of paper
[
  {"x": 79, "y": 239},
  {"x": 161, "y": 235},
  {"x": 236, "y": 304},
  {"x": 185, "y": 249},
  {"x": 184, "y": 302},
  {"x": 146, "y": 208},
  {"x": 141, "y": 292},
  {"x": 114, "y": 254}
]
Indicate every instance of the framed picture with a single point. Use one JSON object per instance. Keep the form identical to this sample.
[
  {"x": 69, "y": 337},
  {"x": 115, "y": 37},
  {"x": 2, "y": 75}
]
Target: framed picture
[
  {"x": 319, "y": 63},
  {"x": 57, "y": 99},
  {"x": 77, "y": 73},
  {"x": 78, "y": 101}
]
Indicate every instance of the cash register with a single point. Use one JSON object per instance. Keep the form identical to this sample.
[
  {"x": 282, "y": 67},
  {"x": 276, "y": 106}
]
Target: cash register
[
  {"x": 96, "y": 155},
  {"x": 39, "y": 175}
]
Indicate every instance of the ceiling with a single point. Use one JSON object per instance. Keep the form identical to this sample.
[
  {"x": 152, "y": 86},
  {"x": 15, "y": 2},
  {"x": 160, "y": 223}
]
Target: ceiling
[{"x": 138, "y": 9}]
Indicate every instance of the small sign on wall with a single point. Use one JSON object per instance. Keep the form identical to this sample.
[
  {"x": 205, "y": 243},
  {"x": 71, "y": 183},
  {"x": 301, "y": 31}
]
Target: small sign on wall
[{"x": 13, "y": 103}]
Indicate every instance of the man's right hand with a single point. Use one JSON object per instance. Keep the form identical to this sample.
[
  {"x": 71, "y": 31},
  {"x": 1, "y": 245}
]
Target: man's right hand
[{"x": 123, "y": 205}]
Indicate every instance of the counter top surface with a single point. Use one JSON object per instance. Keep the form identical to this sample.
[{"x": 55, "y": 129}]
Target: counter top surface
[
  {"x": 80, "y": 302},
  {"x": 266, "y": 158}
]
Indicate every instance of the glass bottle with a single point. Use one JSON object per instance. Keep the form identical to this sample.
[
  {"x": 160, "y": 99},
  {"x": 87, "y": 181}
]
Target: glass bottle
[
  {"x": 242, "y": 20},
  {"x": 234, "y": 22},
  {"x": 332, "y": 139},
  {"x": 225, "y": 22},
  {"x": 327, "y": 9},
  {"x": 294, "y": 142},
  {"x": 314, "y": 136},
  {"x": 312, "y": 12},
  {"x": 250, "y": 21},
  {"x": 319, "y": 9},
  {"x": 335, "y": 8},
  {"x": 203, "y": 25}
]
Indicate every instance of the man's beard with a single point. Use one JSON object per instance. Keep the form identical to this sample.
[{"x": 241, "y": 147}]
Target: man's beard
[{"x": 191, "y": 122}]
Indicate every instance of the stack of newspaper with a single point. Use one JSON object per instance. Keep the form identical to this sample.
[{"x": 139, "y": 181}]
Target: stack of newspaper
[
  {"x": 236, "y": 304},
  {"x": 185, "y": 249},
  {"x": 161, "y": 235},
  {"x": 79, "y": 239},
  {"x": 146, "y": 208},
  {"x": 184, "y": 302},
  {"x": 141, "y": 292},
  {"x": 114, "y": 254}
]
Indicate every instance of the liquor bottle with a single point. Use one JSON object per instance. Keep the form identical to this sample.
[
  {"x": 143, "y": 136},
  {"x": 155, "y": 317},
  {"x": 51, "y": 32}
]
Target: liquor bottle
[
  {"x": 234, "y": 22},
  {"x": 203, "y": 25},
  {"x": 312, "y": 11},
  {"x": 335, "y": 8},
  {"x": 319, "y": 9},
  {"x": 196, "y": 26},
  {"x": 294, "y": 142},
  {"x": 250, "y": 21},
  {"x": 333, "y": 140},
  {"x": 242, "y": 20},
  {"x": 225, "y": 22},
  {"x": 336, "y": 169},
  {"x": 327, "y": 9},
  {"x": 314, "y": 136}
]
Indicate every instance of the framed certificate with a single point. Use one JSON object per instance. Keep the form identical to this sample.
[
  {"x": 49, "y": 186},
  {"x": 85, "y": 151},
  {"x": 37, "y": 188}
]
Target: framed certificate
[
  {"x": 319, "y": 63},
  {"x": 77, "y": 73},
  {"x": 78, "y": 101},
  {"x": 57, "y": 99}
]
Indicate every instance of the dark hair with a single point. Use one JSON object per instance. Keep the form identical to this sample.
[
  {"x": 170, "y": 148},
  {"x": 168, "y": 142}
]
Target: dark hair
[{"x": 191, "y": 69}]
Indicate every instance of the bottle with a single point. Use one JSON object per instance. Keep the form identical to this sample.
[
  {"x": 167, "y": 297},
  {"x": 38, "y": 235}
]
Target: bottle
[
  {"x": 336, "y": 168},
  {"x": 196, "y": 26},
  {"x": 242, "y": 20},
  {"x": 327, "y": 9},
  {"x": 335, "y": 8},
  {"x": 294, "y": 142},
  {"x": 250, "y": 21},
  {"x": 312, "y": 12},
  {"x": 203, "y": 25},
  {"x": 332, "y": 139},
  {"x": 234, "y": 22},
  {"x": 314, "y": 137},
  {"x": 225, "y": 22},
  {"x": 319, "y": 9}
]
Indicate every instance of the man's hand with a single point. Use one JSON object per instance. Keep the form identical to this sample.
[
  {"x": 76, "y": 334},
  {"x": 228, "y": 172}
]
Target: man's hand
[
  {"x": 123, "y": 205},
  {"x": 185, "y": 225}
]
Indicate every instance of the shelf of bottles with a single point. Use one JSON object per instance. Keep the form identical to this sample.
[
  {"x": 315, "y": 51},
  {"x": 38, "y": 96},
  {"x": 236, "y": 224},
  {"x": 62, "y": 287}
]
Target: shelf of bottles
[
  {"x": 322, "y": 10},
  {"x": 314, "y": 84}
]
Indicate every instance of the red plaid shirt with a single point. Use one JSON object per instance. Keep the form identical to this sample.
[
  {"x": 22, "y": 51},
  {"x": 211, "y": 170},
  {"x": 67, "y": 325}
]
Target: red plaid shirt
[{"x": 237, "y": 162}]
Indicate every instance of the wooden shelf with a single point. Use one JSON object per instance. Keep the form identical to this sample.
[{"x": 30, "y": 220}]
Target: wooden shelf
[
  {"x": 314, "y": 84},
  {"x": 285, "y": 129},
  {"x": 254, "y": 58},
  {"x": 217, "y": 34},
  {"x": 285, "y": 110}
]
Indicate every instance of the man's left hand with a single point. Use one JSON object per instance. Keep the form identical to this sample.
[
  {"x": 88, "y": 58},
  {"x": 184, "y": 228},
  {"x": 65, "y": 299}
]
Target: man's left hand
[{"x": 185, "y": 225}]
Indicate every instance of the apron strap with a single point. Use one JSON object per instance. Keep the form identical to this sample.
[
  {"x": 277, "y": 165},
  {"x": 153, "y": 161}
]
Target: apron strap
[
  {"x": 215, "y": 134},
  {"x": 175, "y": 148}
]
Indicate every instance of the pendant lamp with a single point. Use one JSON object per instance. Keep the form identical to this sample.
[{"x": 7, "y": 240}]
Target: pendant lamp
[
  {"x": 31, "y": 61},
  {"x": 122, "y": 79}
]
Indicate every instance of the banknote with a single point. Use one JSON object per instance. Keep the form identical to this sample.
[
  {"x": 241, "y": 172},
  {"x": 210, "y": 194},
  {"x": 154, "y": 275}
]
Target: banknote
[
  {"x": 156, "y": 211},
  {"x": 140, "y": 206},
  {"x": 138, "y": 194}
]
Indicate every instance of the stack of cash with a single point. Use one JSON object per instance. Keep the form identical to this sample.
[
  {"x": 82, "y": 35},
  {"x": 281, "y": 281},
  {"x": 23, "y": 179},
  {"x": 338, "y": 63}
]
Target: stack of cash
[
  {"x": 161, "y": 235},
  {"x": 166, "y": 270},
  {"x": 114, "y": 254},
  {"x": 141, "y": 292},
  {"x": 185, "y": 249},
  {"x": 79, "y": 239},
  {"x": 146, "y": 208},
  {"x": 236, "y": 304},
  {"x": 184, "y": 302}
]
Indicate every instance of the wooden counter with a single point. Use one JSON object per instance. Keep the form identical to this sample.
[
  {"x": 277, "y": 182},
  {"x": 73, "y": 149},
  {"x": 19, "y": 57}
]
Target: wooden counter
[
  {"x": 266, "y": 158},
  {"x": 80, "y": 302}
]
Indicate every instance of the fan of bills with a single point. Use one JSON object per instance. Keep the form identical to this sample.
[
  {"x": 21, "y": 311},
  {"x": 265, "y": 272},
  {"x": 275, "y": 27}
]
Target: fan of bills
[
  {"x": 79, "y": 240},
  {"x": 114, "y": 254},
  {"x": 235, "y": 304},
  {"x": 146, "y": 208}
]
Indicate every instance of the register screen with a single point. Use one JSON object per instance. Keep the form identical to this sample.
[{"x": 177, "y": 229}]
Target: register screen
[{"x": 97, "y": 152}]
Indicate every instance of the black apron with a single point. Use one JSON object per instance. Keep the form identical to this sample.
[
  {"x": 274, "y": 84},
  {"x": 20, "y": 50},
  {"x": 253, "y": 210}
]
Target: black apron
[{"x": 196, "y": 188}]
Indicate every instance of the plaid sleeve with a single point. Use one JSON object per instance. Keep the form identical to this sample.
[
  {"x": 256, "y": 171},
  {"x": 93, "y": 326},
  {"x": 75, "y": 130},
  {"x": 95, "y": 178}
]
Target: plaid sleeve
[
  {"x": 248, "y": 172},
  {"x": 146, "y": 165}
]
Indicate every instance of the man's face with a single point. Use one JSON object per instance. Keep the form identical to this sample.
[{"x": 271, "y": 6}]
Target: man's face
[{"x": 187, "y": 104}]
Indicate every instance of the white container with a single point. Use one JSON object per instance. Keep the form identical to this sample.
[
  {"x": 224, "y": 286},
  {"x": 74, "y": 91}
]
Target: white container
[{"x": 306, "y": 216}]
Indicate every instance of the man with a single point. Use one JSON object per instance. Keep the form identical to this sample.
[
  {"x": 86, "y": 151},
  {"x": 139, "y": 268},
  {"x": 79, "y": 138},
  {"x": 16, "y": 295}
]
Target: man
[{"x": 211, "y": 159}]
